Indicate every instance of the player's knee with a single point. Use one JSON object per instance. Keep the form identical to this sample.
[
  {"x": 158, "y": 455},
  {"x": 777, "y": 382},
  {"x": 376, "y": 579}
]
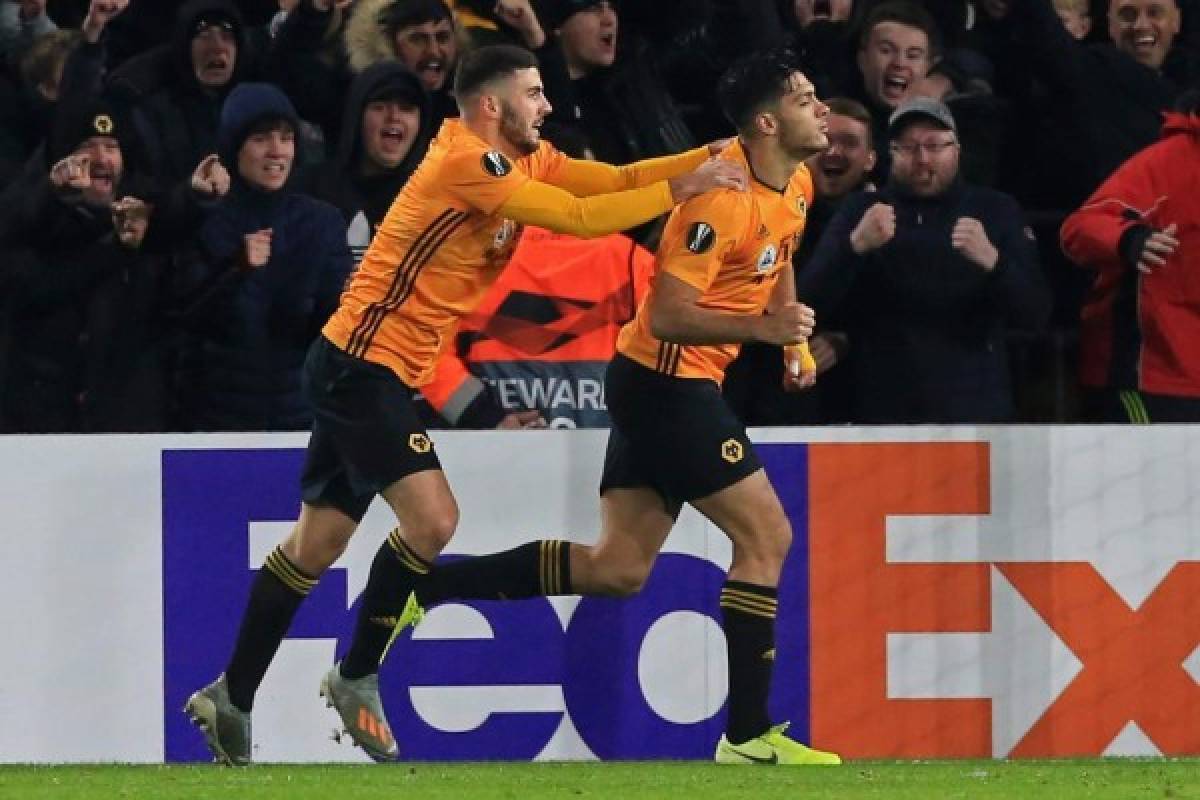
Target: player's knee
[
  {"x": 333, "y": 549},
  {"x": 624, "y": 580},
  {"x": 622, "y": 585},
  {"x": 313, "y": 558},
  {"x": 436, "y": 530},
  {"x": 313, "y": 548},
  {"x": 608, "y": 571},
  {"x": 443, "y": 526},
  {"x": 779, "y": 540},
  {"x": 771, "y": 541}
]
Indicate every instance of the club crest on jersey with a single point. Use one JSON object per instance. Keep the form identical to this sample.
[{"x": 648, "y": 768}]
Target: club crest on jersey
[
  {"x": 802, "y": 205},
  {"x": 496, "y": 164},
  {"x": 767, "y": 259},
  {"x": 701, "y": 237}
]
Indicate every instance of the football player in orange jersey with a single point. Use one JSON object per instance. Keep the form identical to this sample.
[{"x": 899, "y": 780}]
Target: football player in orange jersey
[
  {"x": 725, "y": 259},
  {"x": 446, "y": 238}
]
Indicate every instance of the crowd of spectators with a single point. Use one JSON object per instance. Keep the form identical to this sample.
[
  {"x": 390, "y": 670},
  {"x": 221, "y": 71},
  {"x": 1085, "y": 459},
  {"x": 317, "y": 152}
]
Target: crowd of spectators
[{"x": 186, "y": 186}]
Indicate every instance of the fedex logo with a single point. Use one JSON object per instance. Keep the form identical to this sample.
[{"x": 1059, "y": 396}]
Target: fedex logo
[
  {"x": 923, "y": 646},
  {"x": 917, "y": 619},
  {"x": 486, "y": 680}
]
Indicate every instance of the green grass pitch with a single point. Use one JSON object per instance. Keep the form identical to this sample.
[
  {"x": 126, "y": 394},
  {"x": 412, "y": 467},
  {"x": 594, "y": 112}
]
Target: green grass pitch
[{"x": 1022, "y": 780}]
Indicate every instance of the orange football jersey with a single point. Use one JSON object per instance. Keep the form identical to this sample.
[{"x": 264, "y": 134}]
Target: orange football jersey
[
  {"x": 438, "y": 249},
  {"x": 443, "y": 242},
  {"x": 731, "y": 246}
]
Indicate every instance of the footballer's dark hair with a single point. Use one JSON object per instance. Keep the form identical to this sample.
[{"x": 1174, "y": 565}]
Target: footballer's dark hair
[
  {"x": 485, "y": 64},
  {"x": 754, "y": 82}
]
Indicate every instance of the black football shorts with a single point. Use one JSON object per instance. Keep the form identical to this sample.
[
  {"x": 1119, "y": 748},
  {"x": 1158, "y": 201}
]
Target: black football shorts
[
  {"x": 677, "y": 436},
  {"x": 366, "y": 433}
]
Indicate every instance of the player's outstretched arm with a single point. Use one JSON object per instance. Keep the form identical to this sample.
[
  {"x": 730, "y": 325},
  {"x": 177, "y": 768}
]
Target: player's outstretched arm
[
  {"x": 585, "y": 178},
  {"x": 537, "y": 203}
]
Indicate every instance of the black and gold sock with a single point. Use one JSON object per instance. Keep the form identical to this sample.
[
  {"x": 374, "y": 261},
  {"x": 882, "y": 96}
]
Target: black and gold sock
[
  {"x": 749, "y": 616},
  {"x": 537, "y": 569},
  {"x": 395, "y": 573},
  {"x": 277, "y": 593}
]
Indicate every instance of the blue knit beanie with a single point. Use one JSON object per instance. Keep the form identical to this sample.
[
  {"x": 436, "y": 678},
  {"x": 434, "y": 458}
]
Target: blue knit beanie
[{"x": 246, "y": 106}]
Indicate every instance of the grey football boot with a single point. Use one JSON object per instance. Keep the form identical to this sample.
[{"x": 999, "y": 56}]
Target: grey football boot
[
  {"x": 357, "y": 702},
  {"x": 226, "y": 728}
]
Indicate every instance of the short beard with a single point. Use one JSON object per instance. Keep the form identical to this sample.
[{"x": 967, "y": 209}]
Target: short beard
[
  {"x": 512, "y": 131},
  {"x": 95, "y": 200}
]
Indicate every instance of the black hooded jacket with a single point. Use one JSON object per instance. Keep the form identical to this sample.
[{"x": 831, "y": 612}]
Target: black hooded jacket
[
  {"x": 84, "y": 334},
  {"x": 177, "y": 117},
  {"x": 250, "y": 328},
  {"x": 622, "y": 113},
  {"x": 364, "y": 200},
  {"x": 315, "y": 62}
]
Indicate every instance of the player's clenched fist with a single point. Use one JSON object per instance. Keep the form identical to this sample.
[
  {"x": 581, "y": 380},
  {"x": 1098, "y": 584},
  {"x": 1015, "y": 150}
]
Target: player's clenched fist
[
  {"x": 875, "y": 229},
  {"x": 971, "y": 240},
  {"x": 799, "y": 368},
  {"x": 712, "y": 174},
  {"x": 791, "y": 324},
  {"x": 257, "y": 249}
]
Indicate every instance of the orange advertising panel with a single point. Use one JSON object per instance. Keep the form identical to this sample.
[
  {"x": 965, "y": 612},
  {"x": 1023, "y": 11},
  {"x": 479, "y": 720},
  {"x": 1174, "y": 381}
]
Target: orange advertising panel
[
  {"x": 1122, "y": 666},
  {"x": 857, "y": 598}
]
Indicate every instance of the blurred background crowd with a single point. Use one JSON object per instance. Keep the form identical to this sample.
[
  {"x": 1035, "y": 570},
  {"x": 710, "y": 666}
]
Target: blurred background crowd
[{"x": 1002, "y": 229}]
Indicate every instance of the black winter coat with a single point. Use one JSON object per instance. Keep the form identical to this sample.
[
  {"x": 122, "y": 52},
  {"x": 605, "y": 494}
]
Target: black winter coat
[
  {"x": 87, "y": 339},
  {"x": 251, "y": 328},
  {"x": 1106, "y": 106},
  {"x": 927, "y": 326}
]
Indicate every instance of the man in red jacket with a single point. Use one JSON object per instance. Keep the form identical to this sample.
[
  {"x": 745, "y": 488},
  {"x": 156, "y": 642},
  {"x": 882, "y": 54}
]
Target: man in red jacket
[{"x": 1140, "y": 231}]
